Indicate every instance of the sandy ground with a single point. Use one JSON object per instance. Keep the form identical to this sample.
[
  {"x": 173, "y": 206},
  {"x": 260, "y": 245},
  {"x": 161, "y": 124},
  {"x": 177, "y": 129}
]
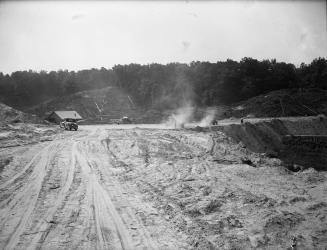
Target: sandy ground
[{"x": 119, "y": 187}]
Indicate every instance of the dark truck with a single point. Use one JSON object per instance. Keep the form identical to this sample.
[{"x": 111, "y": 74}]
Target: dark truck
[
  {"x": 123, "y": 120},
  {"x": 69, "y": 124}
]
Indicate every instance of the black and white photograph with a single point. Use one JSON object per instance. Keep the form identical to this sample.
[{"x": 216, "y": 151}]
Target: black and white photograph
[{"x": 163, "y": 125}]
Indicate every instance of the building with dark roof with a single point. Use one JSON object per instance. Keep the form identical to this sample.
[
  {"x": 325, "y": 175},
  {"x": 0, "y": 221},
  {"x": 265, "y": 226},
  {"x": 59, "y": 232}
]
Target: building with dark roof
[{"x": 58, "y": 116}]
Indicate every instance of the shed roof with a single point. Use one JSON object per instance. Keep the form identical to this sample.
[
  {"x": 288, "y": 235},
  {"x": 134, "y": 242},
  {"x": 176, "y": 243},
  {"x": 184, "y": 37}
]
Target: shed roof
[{"x": 67, "y": 114}]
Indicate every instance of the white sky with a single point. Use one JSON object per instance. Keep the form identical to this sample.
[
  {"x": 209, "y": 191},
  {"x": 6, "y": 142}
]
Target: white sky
[{"x": 76, "y": 35}]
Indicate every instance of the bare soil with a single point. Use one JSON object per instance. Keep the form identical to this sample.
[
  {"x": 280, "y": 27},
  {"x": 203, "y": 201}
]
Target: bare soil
[
  {"x": 284, "y": 102},
  {"x": 151, "y": 188}
]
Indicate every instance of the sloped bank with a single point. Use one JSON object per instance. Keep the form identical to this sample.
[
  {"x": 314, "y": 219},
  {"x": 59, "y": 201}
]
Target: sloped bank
[{"x": 295, "y": 140}]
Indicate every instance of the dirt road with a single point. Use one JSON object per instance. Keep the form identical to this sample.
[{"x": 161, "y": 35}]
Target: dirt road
[
  {"x": 108, "y": 188},
  {"x": 67, "y": 195}
]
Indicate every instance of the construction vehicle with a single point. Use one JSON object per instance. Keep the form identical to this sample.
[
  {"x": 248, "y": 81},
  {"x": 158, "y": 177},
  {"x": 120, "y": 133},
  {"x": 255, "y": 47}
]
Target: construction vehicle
[
  {"x": 69, "y": 124},
  {"x": 125, "y": 120}
]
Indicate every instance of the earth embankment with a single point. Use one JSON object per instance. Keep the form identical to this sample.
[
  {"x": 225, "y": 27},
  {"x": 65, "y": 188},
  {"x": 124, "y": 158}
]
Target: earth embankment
[{"x": 298, "y": 140}]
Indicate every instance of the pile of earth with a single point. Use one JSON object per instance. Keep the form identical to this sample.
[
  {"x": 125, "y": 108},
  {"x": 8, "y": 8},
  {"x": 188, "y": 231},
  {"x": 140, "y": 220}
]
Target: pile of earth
[
  {"x": 307, "y": 146},
  {"x": 16, "y": 138},
  {"x": 19, "y": 134},
  {"x": 286, "y": 102},
  {"x": 11, "y": 115}
]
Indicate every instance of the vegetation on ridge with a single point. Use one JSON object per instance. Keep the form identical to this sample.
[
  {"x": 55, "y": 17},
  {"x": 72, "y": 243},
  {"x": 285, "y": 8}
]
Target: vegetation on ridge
[{"x": 167, "y": 86}]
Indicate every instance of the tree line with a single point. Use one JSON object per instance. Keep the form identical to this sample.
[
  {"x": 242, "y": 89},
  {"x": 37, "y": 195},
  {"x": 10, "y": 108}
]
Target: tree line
[{"x": 167, "y": 86}]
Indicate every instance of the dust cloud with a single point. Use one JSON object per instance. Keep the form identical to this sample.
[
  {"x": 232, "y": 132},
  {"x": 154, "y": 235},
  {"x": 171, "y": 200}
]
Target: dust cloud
[
  {"x": 208, "y": 118},
  {"x": 186, "y": 115},
  {"x": 180, "y": 117},
  {"x": 181, "y": 101}
]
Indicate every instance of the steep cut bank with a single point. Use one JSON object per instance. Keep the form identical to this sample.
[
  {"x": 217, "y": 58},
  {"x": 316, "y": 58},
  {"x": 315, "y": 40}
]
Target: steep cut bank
[{"x": 295, "y": 140}]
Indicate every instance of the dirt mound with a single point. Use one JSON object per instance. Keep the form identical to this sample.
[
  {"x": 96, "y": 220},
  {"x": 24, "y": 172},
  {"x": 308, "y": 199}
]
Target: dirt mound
[
  {"x": 269, "y": 136},
  {"x": 98, "y": 106},
  {"x": 18, "y": 134},
  {"x": 11, "y": 115},
  {"x": 286, "y": 102}
]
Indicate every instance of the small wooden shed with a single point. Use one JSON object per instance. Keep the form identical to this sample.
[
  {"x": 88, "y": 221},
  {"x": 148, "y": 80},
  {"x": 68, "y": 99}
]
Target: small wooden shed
[{"x": 58, "y": 116}]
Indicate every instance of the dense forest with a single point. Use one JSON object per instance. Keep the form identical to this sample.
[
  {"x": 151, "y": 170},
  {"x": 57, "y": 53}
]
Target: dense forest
[{"x": 164, "y": 86}]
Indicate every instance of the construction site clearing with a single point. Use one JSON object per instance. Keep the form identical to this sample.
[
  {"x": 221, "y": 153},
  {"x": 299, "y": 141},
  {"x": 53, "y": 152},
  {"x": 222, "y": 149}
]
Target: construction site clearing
[{"x": 250, "y": 184}]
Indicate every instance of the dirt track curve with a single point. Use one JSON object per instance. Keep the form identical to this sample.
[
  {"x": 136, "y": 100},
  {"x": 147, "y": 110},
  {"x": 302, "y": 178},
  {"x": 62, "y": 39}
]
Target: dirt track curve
[
  {"x": 69, "y": 196},
  {"x": 104, "y": 187}
]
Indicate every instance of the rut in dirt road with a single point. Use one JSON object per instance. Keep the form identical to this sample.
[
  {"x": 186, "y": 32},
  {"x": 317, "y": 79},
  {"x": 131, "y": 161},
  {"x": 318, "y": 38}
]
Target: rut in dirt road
[
  {"x": 68, "y": 196},
  {"x": 150, "y": 188}
]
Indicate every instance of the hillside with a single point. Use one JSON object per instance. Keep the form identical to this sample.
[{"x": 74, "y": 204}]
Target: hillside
[
  {"x": 102, "y": 105},
  {"x": 285, "y": 102},
  {"x": 11, "y": 115},
  {"x": 99, "y": 105}
]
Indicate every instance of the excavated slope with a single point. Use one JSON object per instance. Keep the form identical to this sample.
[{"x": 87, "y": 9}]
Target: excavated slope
[
  {"x": 95, "y": 106},
  {"x": 11, "y": 115},
  {"x": 307, "y": 147}
]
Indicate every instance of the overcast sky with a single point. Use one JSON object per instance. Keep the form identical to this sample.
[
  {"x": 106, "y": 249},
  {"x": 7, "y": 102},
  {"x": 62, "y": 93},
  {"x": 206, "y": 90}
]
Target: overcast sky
[{"x": 79, "y": 35}]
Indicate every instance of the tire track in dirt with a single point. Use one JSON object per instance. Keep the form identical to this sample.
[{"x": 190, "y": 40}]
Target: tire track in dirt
[
  {"x": 136, "y": 148},
  {"x": 71, "y": 227},
  {"x": 144, "y": 238},
  {"x": 140, "y": 236},
  {"x": 25, "y": 200},
  {"x": 22, "y": 174},
  {"x": 42, "y": 227},
  {"x": 111, "y": 231},
  {"x": 36, "y": 217},
  {"x": 171, "y": 152},
  {"x": 69, "y": 196}
]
